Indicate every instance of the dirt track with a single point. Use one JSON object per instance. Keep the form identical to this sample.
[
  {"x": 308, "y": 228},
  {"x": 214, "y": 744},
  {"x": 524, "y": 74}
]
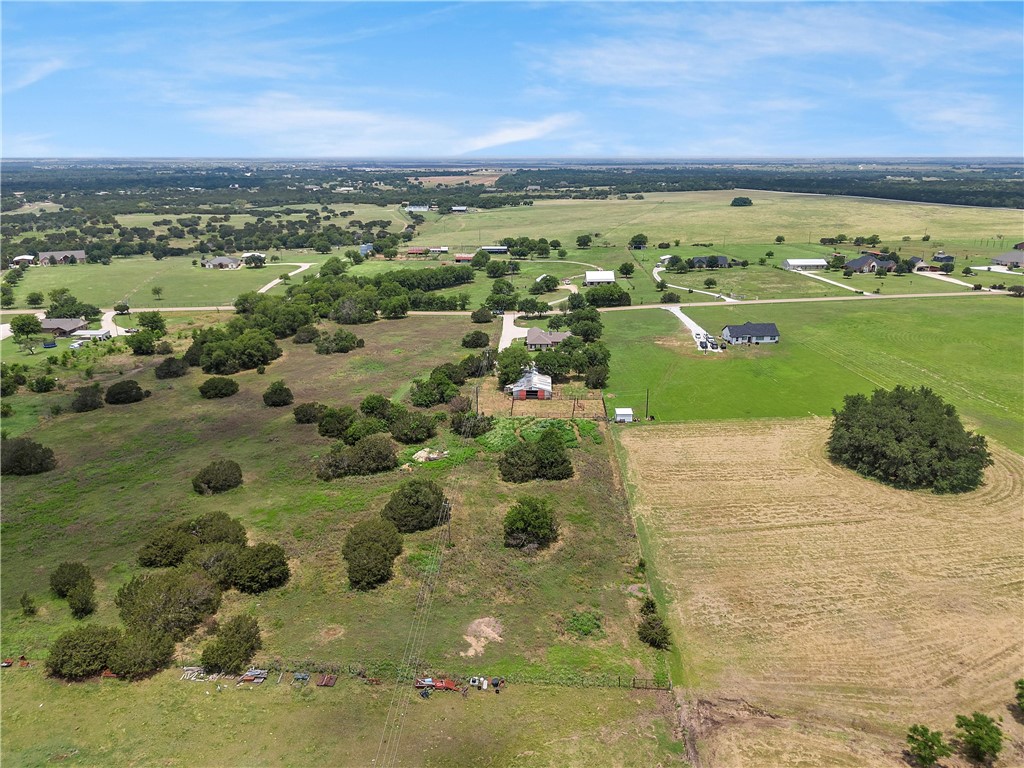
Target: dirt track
[{"x": 820, "y": 613}]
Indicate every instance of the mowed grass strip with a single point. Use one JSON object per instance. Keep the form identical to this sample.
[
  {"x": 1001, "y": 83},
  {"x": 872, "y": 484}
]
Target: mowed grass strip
[
  {"x": 816, "y": 602},
  {"x": 968, "y": 350}
]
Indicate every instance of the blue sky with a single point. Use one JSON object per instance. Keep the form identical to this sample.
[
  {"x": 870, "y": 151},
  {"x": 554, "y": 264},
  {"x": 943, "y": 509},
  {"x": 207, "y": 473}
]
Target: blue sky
[{"x": 487, "y": 80}]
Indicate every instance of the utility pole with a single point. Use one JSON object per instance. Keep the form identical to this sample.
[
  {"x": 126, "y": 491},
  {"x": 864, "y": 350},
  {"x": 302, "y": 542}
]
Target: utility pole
[{"x": 647, "y": 404}]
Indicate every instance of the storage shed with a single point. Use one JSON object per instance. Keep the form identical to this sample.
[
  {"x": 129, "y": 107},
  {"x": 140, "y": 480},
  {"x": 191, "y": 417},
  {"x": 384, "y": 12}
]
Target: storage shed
[
  {"x": 531, "y": 386},
  {"x": 623, "y": 415},
  {"x": 599, "y": 277}
]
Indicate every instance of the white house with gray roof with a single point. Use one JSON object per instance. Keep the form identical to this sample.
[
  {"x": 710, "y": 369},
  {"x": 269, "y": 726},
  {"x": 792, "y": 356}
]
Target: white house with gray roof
[{"x": 751, "y": 333}]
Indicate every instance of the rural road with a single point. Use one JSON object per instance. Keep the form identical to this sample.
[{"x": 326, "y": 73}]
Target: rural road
[
  {"x": 302, "y": 267},
  {"x": 658, "y": 270}
]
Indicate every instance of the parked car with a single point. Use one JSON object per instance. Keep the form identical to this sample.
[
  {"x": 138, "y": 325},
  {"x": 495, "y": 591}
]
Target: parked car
[
  {"x": 713, "y": 345},
  {"x": 130, "y": 331},
  {"x": 77, "y": 345},
  {"x": 703, "y": 345}
]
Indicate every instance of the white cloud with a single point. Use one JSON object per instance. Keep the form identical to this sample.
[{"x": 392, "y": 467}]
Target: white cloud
[
  {"x": 518, "y": 131},
  {"x": 25, "y": 73}
]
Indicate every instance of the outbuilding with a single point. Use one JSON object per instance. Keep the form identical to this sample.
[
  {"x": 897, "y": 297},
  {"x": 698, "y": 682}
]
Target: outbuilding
[
  {"x": 751, "y": 333},
  {"x": 492, "y": 249},
  {"x": 623, "y": 415},
  {"x": 463, "y": 258},
  {"x": 599, "y": 277},
  {"x": 802, "y": 265},
  {"x": 92, "y": 335},
  {"x": 366, "y": 249},
  {"x": 531, "y": 386},
  {"x": 438, "y": 249},
  {"x": 24, "y": 260}
]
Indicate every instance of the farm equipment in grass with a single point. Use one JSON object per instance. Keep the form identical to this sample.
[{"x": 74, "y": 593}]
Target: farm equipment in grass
[{"x": 440, "y": 684}]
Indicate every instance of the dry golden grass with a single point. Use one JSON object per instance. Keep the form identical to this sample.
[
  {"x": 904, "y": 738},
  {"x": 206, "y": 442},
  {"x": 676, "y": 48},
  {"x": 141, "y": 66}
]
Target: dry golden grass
[{"x": 819, "y": 614}]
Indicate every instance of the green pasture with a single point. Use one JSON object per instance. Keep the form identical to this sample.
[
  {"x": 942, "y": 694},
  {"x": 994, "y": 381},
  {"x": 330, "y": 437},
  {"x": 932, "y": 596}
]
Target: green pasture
[
  {"x": 966, "y": 349},
  {"x": 123, "y": 471},
  {"x": 754, "y": 282},
  {"x": 172, "y": 722},
  {"x": 132, "y": 280},
  {"x": 909, "y": 283},
  {"x": 708, "y": 217}
]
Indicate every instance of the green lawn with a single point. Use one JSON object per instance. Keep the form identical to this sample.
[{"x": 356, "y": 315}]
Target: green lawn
[
  {"x": 897, "y": 284},
  {"x": 968, "y": 350}
]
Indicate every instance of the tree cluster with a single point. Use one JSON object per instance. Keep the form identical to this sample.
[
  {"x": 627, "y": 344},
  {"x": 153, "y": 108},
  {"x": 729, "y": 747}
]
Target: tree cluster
[
  {"x": 22, "y": 456},
  {"x": 74, "y": 582},
  {"x": 544, "y": 459},
  {"x": 530, "y": 522},
  {"x": 370, "y": 550},
  {"x": 908, "y": 438},
  {"x": 416, "y": 505},
  {"x": 368, "y": 456},
  {"x": 234, "y": 646}
]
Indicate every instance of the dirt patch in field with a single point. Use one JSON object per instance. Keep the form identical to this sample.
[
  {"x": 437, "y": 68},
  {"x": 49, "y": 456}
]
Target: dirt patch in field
[
  {"x": 329, "y": 633},
  {"x": 822, "y": 612},
  {"x": 479, "y": 633}
]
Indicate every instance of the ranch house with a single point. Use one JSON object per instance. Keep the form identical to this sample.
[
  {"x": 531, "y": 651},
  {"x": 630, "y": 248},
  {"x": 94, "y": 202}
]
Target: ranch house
[
  {"x": 801, "y": 265},
  {"x": 531, "y": 386},
  {"x": 942, "y": 258},
  {"x": 538, "y": 339},
  {"x": 751, "y": 333},
  {"x": 1009, "y": 259},
  {"x": 221, "y": 262},
  {"x": 866, "y": 264},
  {"x": 63, "y": 326},
  {"x": 701, "y": 262},
  {"x": 599, "y": 277},
  {"x": 47, "y": 258}
]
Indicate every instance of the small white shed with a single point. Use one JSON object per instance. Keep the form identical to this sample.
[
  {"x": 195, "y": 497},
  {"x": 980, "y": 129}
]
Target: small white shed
[
  {"x": 599, "y": 277},
  {"x": 623, "y": 415}
]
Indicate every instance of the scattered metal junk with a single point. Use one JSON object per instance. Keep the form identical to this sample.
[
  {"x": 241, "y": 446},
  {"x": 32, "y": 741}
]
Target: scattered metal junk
[
  {"x": 481, "y": 683},
  {"x": 198, "y": 674},
  {"x": 327, "y": 681},
  {"x": 300, "y": 677},
  {"x": 254, "y": 676}
]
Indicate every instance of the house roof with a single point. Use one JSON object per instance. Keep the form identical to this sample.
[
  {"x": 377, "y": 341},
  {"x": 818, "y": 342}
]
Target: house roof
[
  {"x": 63, "y": 323},
  {"x": 23, "y": 257},
  {"x": 720, "y": 260},
  {"x": 540, "y": 336},
  {"x": 943, "y": 258},
  {"x": 598, "y": 275},
  {"x": 531, "y": 379},
  {"x": 1010, "y": 257},
  {"x": 752, "y": 329},
  {"x": 222, "y": 260},
  {"x": 417, "y": 250},
  {"x": 862, "y": 261},
  {"x": 806, "y": 262},
  {"x": 61, "y": 254},
  {"x": 623, "y": 411}
]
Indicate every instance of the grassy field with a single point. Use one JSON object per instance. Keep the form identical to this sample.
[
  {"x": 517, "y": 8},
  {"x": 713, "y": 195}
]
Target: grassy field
[
  {"x": 179, "y": 723},
  {"x": 817, "y": 613},
  {"x": 708, "y": 217},
  {"x": 968, "y": 350},
  {"x": 125, "y": 470}
]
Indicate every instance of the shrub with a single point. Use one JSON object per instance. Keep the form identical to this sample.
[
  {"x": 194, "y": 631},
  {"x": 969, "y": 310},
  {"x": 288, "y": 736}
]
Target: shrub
[
  {"x": 654, "y": 631},
  {"x": 140, "y": 653},
  {"x": 217, "y": 560},
  {"x": 670, "y": 297},
  {"x": 470, "y": 424},
  {"x": 412, "y": 428},
  {"x": 21, "y": 456},
  {"x": 377, "y": 406},
  {"x": 174, "y": 602},
  {"x": 233, "y": 648},
  {"x": 218, "y": 386},
  {"x": 163, "y": 348},
  {"x": 306, "y": 334},
  {"x": 416, "y": 505},
  {"x": 168, "y": 547},
  {"x": 482, "y": 315},
  {"x": 217, "y": 477},
  {"x": 518, "y": 464},
  {"x": 907, "y": 438},
  {"x": 214, "y": 527},
  {"x": 82, "y": 598},
  {"x": 171, "y": 368},
  {"x": 87, "y": 399},
  {"x": 552, "y": 460},
  {"x": 476, "y": 340},
  {"x": 259, "y": 568},
  {"x": 370, "y": 549},
  {"x": 28, "y": 605},
  {"x": 278, "y": 395},
  {"x": 335, "y": 422},
  {"x": 648, "y": 607},
  {"x": 531, "y": 521},
  {"x": 371, "y": 454},
  {"x": 67, "y": 576},
  {"x": 43, "y": 384},
  {"x": 142, "y": 343},
  {"x": 981, "y": 736},
  {"x": 362, "y": 428},
  {"x": 342, "y": 342},
  {"x": 308, "y": 413},
  {"x": 926, "y": 746},
  {"x": 124, "y": 392},
  {"x": 82, "y": 652}
]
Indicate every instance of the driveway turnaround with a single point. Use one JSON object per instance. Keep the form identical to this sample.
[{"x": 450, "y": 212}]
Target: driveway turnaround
[
  {"x": 698, "y": 333},
  {"x": 509, "y": 331}
]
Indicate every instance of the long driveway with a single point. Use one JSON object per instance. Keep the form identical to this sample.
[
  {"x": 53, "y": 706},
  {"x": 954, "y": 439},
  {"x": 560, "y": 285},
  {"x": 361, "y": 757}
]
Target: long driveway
[
  {"x": 510, "y": 331},
  {"x": 658, "y": 270}
]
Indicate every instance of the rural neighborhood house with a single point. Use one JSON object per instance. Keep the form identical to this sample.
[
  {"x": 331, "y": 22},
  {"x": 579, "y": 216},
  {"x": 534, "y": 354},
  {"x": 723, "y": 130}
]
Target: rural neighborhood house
[{"x": 751, "y": 333}]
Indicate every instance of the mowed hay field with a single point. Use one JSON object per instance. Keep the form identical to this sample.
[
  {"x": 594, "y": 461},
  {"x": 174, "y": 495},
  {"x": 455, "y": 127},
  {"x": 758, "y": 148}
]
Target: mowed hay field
[{"x": 818, "y": 614}]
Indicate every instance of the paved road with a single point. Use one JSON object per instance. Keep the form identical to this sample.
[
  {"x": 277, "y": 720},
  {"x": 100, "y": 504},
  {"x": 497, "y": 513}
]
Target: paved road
[{"x": 302, "y": 267}]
